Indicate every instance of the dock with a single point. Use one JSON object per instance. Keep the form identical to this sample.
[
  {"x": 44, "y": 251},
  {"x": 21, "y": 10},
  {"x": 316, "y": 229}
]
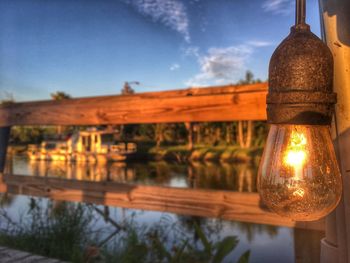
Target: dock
[{"x": 14, "y": 256}]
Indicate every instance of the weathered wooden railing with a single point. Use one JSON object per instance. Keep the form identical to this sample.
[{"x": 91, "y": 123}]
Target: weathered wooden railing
[{"x": 226, "y": 103}]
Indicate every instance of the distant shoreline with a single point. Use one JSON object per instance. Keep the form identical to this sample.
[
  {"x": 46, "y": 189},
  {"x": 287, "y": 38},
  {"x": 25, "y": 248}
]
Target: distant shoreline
[{"x": 182, "y": 154}]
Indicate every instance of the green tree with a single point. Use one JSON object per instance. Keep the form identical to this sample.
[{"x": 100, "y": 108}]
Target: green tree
[
  {"x": 127, "y": 89},
  {"x": 7, "y": 98},
  {"x": 249, "y": 79},
  {"x": 58, "y": 96},
  {"x": 127, "y": 131}
]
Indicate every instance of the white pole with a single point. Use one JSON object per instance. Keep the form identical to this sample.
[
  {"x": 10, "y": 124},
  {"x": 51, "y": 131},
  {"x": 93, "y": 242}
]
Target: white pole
[{"x": 335, "y": 23}]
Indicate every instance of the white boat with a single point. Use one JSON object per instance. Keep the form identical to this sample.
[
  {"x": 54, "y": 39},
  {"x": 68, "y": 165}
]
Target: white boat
[{"x": 84, "y": 146}]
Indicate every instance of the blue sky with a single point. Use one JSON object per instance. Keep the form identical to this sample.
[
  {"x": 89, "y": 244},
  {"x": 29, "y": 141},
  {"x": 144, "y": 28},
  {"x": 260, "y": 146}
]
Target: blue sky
[{"x": 90, "y": 47}]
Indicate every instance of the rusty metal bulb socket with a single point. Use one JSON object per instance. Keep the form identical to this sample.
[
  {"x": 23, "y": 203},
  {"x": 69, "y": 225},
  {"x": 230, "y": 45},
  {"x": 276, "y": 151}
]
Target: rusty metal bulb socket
[{"x": 301, "y": 80}]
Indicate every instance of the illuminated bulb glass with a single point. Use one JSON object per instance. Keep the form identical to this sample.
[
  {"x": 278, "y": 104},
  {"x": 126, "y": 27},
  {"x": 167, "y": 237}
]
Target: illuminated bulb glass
[{"x": 299, "y": 176}]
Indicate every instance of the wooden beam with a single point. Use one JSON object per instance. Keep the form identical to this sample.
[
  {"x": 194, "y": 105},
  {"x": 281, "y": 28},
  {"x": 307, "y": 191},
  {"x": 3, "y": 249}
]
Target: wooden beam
[
  {"x": 13, "y": 255},
  {"x": 335, "y": 25},
  {"x": 227, "y": 205},
  {"x": 224, "y": 103}
]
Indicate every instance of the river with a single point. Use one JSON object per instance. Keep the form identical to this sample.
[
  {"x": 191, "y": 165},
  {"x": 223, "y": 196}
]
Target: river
[{"x": 78, "y": 230}]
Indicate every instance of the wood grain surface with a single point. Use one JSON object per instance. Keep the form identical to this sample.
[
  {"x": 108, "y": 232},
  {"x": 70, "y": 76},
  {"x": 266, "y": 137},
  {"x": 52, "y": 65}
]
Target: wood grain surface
[
  {"x": 222, "y": 103},
  {"x": 226, "y": 205}
]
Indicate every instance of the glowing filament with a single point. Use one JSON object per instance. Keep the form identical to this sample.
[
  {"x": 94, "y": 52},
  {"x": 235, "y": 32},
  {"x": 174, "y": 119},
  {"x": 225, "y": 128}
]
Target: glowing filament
[
  {"x": 295, "y": 158},
  {"x": 296, "y": 154}
]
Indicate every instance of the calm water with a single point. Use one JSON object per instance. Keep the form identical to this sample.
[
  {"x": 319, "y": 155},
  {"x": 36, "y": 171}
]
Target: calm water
[
  {"x": 143, "y": 231},
  {"x": 238, "y": 177}
]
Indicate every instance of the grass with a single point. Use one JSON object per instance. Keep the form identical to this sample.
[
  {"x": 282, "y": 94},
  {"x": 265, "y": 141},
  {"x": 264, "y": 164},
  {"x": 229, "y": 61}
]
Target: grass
[
  {"x": 57, "y": 235},
  {"x": 65, "y": 231}
]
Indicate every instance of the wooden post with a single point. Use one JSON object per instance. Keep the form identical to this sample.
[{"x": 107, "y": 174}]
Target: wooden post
[
  {"x": 306, "y": 246},
  {"x": 335, "y": 24},
  {"x": 4, "y": 138}
]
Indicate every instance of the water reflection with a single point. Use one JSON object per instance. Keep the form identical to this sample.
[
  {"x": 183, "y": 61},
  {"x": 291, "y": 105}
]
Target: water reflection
[
  {"x": 80, "y": 232},
  {"x": 238, "y": 177},
  {"x": 113, "y": 234},
  {"x": 234, "y": 177}
]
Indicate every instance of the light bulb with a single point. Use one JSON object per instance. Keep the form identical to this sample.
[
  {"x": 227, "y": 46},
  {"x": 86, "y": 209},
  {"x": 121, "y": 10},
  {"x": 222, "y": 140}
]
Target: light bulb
[{"x": 299, "y": 176}]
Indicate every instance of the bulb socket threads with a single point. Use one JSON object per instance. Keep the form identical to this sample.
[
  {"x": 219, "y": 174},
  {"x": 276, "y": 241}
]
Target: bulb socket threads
[{"x": 301, "y": 80}]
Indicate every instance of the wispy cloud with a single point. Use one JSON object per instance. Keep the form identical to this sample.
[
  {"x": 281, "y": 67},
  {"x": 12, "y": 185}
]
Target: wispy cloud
[
  {"x": 221, "y": 65},
  {"x": 278, "y": 6},
  {"x": 259, "y": 43},
  {"x": 174, "y": 67},
  {"x": 171, "y": 13},
  {"x": 191, "y": 51}
]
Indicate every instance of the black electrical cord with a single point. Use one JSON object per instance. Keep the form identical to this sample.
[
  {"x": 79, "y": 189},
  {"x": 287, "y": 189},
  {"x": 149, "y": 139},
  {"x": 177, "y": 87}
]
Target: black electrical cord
[{"x": 300, "y": 12}]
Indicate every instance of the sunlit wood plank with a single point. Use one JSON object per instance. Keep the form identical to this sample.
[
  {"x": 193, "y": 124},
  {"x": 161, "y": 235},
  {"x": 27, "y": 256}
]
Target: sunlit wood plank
[
  {"x": 226, "y": 205},
  {"x": 223, "y": 103}
]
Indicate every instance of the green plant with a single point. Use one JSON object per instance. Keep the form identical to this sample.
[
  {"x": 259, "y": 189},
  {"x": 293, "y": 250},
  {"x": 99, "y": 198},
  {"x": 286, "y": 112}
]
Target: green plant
[{"x": 56, "y": 232}]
